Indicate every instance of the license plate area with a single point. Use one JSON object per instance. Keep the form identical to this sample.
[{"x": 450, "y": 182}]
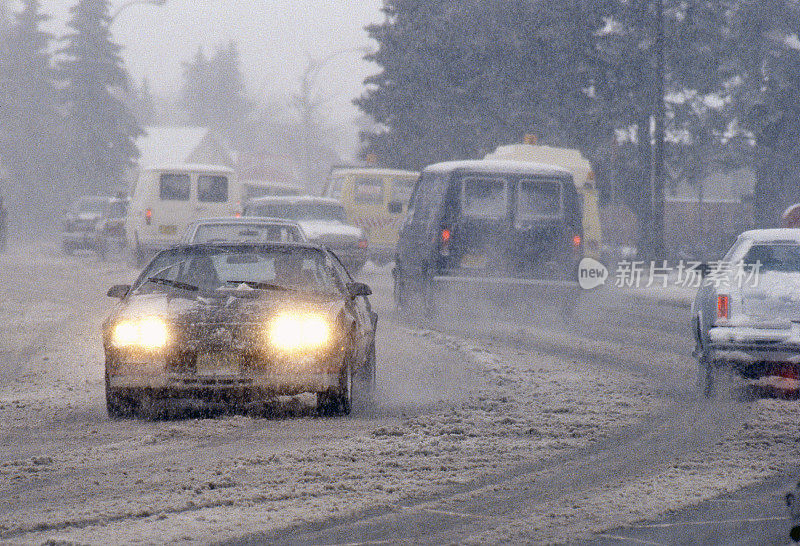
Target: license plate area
[
  {"x": 474, "y": 261},
  {"x": 217, "y": 363},
  {"x": 168, "y": 230}
]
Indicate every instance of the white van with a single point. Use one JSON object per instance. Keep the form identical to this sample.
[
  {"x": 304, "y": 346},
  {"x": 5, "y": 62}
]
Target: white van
[{"x": 167, "y": 198}]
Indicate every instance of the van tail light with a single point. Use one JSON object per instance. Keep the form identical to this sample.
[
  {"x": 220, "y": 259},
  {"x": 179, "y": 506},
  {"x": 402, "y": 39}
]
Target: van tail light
[
  {"x": 722, "y": 306},
  {"x": 444, "y": 244},
  {"x": 148, "y": 216},
  {"x": 362, "y": 243},
  {"x": 576, "y": 241}
]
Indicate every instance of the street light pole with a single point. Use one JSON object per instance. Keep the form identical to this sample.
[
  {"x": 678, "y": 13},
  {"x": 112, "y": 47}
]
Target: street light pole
[{"x": 657, "y": 184}]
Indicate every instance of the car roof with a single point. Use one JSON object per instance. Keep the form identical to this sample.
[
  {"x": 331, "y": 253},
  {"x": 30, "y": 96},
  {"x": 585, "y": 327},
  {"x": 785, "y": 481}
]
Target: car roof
[
  {"x": 365, "y": 169},
  {"x": 189, "y": 167},
  {"x": 499, "y": 166},
  {"x": 293, "y": 199},
  {"x": 265, "y": 245},
  {"x": 776, "y": 234},
  {"x": 246, "y": 220}
]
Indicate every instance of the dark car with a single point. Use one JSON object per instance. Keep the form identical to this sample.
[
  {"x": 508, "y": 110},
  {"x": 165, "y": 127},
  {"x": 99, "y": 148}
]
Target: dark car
[
  {"x": 238, "y": 324},
  {"x": 95, "y": 223},
  {"x": 746, "y": 315},
  {"x": 489, "y": 223}
]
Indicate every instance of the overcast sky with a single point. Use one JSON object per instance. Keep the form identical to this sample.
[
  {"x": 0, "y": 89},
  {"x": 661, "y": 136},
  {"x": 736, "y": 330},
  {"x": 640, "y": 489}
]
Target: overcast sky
[{"x": 274, "y": 37}]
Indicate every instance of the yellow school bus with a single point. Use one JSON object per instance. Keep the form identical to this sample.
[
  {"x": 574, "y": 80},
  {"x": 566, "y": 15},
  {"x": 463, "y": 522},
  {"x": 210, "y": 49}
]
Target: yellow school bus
[
  {"x": 375, "y": 199},
  {"x": 573, "y": 161}
]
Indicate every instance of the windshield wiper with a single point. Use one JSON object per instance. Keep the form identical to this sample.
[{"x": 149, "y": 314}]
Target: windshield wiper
[
  {"x": 170, "y": 282},
  {"x": 264, "y": 285}
]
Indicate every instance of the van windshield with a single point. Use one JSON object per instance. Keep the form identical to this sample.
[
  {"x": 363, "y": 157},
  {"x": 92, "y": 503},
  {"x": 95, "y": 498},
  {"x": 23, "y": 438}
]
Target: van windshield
[
  {"x": 484, "y": 197},
  {"x": 537, "y": 199}
]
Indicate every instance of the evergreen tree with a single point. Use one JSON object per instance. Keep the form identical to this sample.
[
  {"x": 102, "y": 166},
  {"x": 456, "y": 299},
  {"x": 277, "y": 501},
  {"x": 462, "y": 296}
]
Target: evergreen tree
[
  {"x": 459, "y": 78},
  {"x": 103, "y": 129},
  {"x": 142, "y": 103},
  {"x": 213, "y": 93},
  {"x": 767, "y": 97},
  {"x": 29, "y": 119}
]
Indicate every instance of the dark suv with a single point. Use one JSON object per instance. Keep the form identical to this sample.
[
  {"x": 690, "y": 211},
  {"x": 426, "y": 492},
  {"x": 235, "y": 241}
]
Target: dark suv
[
  {"x": 95, "y": 223},
  {"x": 489, "y": 223}
]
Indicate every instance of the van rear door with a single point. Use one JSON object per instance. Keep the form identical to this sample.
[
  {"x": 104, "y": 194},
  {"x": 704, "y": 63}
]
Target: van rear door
[
  {"x": 174, "y": 210},
  {"x": 213, "y": 196},
  {"x": 480, "y": 235}
]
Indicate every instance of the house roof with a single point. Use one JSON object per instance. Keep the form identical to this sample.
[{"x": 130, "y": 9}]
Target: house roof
[{"x": 162, "y": 144}]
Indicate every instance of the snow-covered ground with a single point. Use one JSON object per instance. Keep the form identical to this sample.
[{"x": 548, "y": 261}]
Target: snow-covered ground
[{"x": 452, "y": 411}]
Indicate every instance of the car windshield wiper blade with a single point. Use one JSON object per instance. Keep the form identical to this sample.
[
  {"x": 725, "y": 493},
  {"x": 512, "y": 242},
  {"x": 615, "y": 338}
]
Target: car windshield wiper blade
[
  {"x": 170, "y": 282},
  {"x": 263, "y": 285}
]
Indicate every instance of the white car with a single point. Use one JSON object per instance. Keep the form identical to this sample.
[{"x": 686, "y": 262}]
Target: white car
[
  {"x": 243, "y": 230},
  {"x": 746, "y": 315},
  {"x": 323, "y": 222}
]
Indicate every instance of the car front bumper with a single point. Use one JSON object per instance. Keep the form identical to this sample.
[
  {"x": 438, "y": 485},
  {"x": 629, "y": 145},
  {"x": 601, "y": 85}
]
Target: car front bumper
[{"x": 237, "y": 376}]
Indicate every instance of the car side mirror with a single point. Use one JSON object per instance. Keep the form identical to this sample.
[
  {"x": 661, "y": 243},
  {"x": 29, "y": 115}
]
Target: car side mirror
[
  {"x": 119, "y": 291},
  {"x": 356, "y": 289},
  {"x": 395, "y": 207}
]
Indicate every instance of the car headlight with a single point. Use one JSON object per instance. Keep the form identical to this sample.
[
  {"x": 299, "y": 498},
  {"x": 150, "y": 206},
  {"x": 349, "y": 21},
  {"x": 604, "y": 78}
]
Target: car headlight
[
  {"x": 292, "y": 332},
  {"x": 147, "y": 333}
]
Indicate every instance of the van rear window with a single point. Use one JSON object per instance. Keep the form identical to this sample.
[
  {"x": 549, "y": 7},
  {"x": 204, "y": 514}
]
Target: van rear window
[
  {"x": 368, "y": 189},
  {"x": 174, "y": 187},
  {"x": 484, "y": 197},
  {"x": 212, "y": 188},
  {"x": 538, "y": 199}
]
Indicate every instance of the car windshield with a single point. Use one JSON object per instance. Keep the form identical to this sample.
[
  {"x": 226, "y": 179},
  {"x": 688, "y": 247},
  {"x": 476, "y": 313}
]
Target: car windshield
[
  {"x": 231, "y": 267},
  {"x": 783, "y": 257},
  {"x": 240, "y": 232},
  {"x": 301, "y": 211}
]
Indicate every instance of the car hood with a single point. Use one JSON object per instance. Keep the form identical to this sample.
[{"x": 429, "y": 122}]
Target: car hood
[
  {"x": 325, "y": 230},
  {"x": 226, "y": 306}
]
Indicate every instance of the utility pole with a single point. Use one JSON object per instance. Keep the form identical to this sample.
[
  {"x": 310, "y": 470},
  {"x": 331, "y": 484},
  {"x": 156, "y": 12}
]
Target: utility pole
[{"x": 657, "y": 249}]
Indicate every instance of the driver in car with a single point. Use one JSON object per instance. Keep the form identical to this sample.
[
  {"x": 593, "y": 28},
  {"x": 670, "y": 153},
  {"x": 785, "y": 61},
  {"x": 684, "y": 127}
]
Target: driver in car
[
  {"x": 289, "y": 271},
  {"x": 202, "y": 273}
]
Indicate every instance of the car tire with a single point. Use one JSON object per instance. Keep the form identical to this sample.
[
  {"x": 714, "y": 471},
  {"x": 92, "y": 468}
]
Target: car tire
[
  {"x": 707, "y": 376},
  {"x": 118, "y": 405},
  {"x": 365, "y": 393},
  {"x": 339, "y": 401},
  {"x": 102, "y": 248},
  {"x": 139, "y": 258}
]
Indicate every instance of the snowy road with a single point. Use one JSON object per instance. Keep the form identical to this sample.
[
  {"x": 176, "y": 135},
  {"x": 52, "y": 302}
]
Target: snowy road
[{"x": 487, "y": 430}]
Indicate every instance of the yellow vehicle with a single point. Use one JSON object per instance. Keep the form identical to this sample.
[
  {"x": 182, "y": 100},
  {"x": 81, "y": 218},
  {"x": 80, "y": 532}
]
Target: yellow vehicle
[
  {"x": 376, "y": 200},
  {"x": 574, "y": 162}
]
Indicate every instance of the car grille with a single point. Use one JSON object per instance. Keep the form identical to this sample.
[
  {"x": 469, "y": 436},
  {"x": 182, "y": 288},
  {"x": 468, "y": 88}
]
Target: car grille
[{"x": 221, "y": 336}]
